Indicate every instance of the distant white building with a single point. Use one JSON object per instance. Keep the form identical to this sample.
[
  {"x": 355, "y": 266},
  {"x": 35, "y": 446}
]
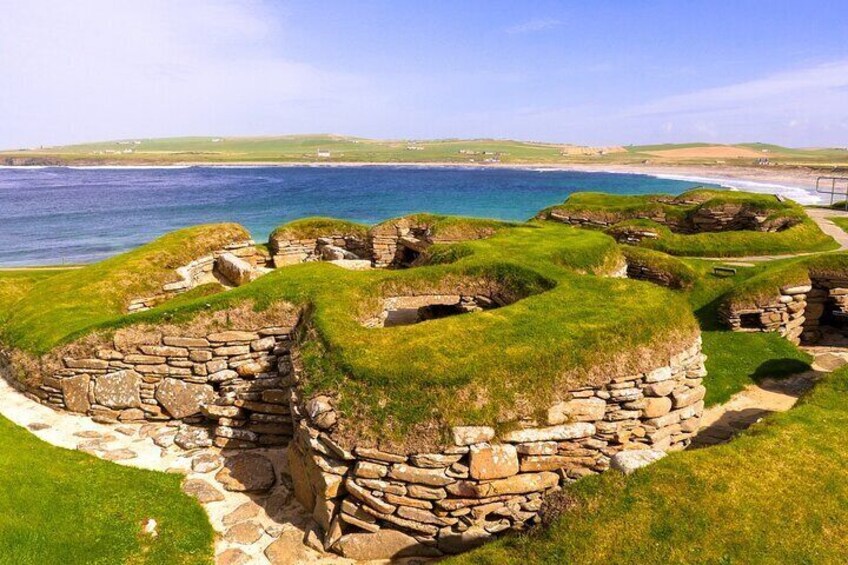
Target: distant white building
[{"x": 324, "y": 153}]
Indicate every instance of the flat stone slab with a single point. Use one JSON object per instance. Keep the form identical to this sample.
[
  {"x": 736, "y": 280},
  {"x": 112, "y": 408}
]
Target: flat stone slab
[
  {"x": 247, "y": 472},
  {"x": 202, "y": 491},
  {"x": 629, "y": 461}
]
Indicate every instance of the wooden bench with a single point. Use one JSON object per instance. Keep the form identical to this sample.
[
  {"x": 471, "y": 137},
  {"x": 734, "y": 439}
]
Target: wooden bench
[{"x": 723, "y": 271}]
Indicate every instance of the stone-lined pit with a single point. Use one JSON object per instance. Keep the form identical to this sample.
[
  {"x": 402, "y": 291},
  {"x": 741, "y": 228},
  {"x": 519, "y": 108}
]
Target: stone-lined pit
[{"x": 408, "y": 310}]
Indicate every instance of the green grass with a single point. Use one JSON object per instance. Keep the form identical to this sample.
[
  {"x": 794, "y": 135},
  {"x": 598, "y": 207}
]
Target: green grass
[
  {"x": 737, "y": 359},
  {"x": 17, "y": 283},
  {"x": 60, "y": 506},
  {"x": 308, "y": 228},
  {"x": 764, "y": 288},
  {"x": 777, "y": 494},
  {"x": 805, "y": 237},
  {"x": 841, "y": 222},
  {"x": 565, "y": 327},
  {"x": 398, "y": 380},
  {"x": 65, "y": 303},
  {"x": 305, "y": 148},
  {"x": 655, "y": 212}
]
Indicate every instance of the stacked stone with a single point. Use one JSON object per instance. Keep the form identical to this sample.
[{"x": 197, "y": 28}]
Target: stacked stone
[
  {"x": 727, "y": 217},
  {"x": 645, "y": 271},
  {"x": 786, "y": 314},
  {"x": 252, "y": 408},
  {"x": 385, "y": 241},
  {"x": 376, "y": 504},
  {"x": 330, "y": 247},
  {"x": 415, "y": 308},
  {"x": 156, "y": 377},
  {"x": 825, "y": 293},
  {"x": 229, "y": 261}
]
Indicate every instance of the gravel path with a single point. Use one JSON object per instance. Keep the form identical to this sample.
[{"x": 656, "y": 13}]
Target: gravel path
[
  {"x": 721, "y": 423},
  {"x": 267, "y": 526}
]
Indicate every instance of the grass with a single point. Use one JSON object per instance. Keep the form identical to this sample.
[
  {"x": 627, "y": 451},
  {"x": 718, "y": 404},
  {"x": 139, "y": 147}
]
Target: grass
[
  {"x": 59, "y": 305},
  {"x": 394, "y": 381},
  {"x": 310, "y": 228},
  {"x": 565, "y": 326},
  {"x": 736, "y": 359},
  {"x": 305, "y": 148},
  {"x": 61, "y": 506},
  {"x": 805, "y": 237},
  {"x": 655, "y": 213},
  {"x": 841, "y": 222},
  {"x": 774, "y": 495}
]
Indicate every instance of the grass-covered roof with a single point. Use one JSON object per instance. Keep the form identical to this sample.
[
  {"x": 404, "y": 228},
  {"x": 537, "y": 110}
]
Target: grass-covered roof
[
  {"x": 570, "y": 325},
  {"x": 655, "y": 212}
]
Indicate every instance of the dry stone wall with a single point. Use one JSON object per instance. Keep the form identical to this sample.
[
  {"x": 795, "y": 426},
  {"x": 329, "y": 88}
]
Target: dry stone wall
[
  {"x": 231, "y": 386},
  {"x": 800, "y": 313},
  {"x": 329, "y": 247},
  {"x": 378, "y": 504}
]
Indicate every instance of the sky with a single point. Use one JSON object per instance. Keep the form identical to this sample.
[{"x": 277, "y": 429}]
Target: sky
[{"x": 598, "y": 73}]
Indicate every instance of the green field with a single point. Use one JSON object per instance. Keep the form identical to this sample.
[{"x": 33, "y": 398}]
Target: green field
[{"x": 348, "y": 149}]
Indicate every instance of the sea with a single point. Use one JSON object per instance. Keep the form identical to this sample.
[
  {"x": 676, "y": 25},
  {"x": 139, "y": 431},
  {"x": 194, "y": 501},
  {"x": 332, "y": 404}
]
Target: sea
[{"x": 73, "y": 215}]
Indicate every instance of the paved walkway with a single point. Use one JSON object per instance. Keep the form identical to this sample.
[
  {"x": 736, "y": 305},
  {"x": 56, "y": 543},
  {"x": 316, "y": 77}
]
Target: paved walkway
[
  {"x": 721, "y": 423},
  {"x": 252, "y": 528}
]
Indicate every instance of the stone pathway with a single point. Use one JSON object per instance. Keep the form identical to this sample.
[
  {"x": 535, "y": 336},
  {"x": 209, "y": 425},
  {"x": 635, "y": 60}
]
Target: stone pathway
[
  {"x": 246, "y": 495},
  {"x": 721, "y": 423}
]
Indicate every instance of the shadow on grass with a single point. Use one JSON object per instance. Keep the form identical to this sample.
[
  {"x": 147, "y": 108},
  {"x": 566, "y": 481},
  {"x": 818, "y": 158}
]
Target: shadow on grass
[{"x": 779, "y": 369}]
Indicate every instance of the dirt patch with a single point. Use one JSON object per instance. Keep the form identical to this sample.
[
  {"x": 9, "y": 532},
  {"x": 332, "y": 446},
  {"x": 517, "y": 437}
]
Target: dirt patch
[{"x": 709, "y": 152}]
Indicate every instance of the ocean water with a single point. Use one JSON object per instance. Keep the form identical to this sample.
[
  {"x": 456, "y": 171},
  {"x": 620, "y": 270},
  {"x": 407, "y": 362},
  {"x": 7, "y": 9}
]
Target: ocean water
[{"x": 57, "y": 215}]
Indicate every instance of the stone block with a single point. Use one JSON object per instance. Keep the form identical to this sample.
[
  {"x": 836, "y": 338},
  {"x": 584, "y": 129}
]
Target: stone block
[
  {"x": 118, "y": 390},
  {"x": 75, "y": 393},
  {"x": 493, "y": 461},
  {"x": 182, "y": 399}
]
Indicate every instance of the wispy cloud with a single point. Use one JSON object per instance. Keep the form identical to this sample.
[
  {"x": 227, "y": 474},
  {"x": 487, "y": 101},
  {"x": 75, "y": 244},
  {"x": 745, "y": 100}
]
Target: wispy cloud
[{"x": 534, "y": 25}]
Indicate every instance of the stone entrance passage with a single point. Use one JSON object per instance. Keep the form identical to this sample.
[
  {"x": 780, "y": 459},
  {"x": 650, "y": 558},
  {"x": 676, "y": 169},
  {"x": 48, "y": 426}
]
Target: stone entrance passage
[{"x": 408, "y": 310}]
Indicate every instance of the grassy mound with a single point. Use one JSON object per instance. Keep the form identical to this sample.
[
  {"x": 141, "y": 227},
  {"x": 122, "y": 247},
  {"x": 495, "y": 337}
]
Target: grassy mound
[
  {"x": 567, "y": 328},
  {"x": 60, "y": 506},
  {"x": 678, "y": 274},
  {"x": 664, "y": 216},
  {"x": 736, "y": 359},
  {"x": 726, "y": 504},
  {"x": 58, "y": 306},
  {"x": 764, "y": 288},
  {"x": 310, "y": 228},
  {"x": 804, "y": 237}
]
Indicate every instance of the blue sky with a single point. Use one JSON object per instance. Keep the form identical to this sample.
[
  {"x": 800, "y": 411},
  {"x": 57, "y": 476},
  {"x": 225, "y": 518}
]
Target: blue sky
[{"x": 600, "y": 72}]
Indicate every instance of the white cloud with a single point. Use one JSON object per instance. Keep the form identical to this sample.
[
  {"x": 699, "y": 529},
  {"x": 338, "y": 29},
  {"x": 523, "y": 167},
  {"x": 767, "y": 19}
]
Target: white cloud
[
  {"x": 534, "y": 25},
  {"x": 97, "y": 69}
]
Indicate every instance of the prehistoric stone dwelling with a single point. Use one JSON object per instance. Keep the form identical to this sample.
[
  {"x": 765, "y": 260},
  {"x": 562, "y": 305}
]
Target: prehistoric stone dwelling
[
  {"x": 689, "y": 213},
  {"x": 802, "y": 313},
  {"x": 233, "y": 379},
  {"x": 486, "y": 481}
]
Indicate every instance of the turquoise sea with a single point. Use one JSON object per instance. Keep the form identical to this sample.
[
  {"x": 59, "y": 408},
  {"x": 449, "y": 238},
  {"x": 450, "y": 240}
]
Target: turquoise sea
[{"x": 56, "y": 215}]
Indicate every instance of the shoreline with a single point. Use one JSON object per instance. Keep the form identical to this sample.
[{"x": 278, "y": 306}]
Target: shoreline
[{"x": 797, "y": 183}]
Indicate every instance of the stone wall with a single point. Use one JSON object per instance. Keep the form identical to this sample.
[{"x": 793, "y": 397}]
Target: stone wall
[
  {"x": 645, "y": 271},
  {"x": 720, "y": 218},
  {"x": 234, "y": 265},
  {"x": 329, "y": 247},
  {"x": 375, "y": 504},
  {"x": 229, "y": 387}
]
